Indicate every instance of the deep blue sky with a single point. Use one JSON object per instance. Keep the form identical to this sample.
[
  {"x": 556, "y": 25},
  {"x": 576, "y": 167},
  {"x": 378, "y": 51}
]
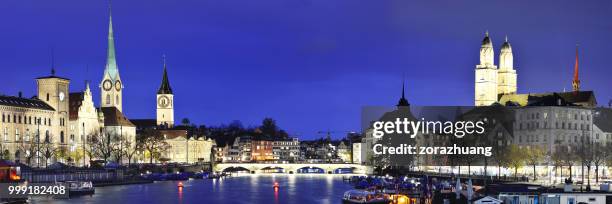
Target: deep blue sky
[{"x": 309, "y": 64}]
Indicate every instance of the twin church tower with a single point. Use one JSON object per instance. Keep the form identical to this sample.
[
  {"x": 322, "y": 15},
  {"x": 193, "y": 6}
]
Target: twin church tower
[
  {"x": 111, "y": 86},
  {"x": 491, "y": 81}
]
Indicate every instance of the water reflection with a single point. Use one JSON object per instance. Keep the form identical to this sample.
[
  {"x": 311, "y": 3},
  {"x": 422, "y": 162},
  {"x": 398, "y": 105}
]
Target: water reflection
[{"x": 293, "y": 188}]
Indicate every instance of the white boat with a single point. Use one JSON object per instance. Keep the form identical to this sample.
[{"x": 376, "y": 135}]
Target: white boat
[
  {"x": 365, "y": 197},
  {"x": 78, "y": 188}
]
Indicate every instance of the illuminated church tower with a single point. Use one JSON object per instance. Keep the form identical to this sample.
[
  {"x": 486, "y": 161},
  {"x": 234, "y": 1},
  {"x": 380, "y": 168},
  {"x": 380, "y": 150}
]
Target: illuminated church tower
[
  {"x": 165, "y": 101},
  {"x": 506, "y": 75},
  {"x": 486, "y": 89},
  {"x": 111, "y": 87}
]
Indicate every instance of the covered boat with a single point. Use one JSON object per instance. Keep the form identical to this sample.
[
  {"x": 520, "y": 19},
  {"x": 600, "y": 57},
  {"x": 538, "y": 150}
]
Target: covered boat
[{"x": 366, "y": 197}]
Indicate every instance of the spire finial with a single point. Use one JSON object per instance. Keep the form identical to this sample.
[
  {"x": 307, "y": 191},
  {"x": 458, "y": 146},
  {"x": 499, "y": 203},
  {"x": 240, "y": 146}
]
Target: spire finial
[
  {"x": 164, "y": 60},
  {"x": 402, "y": 100},
  {"x": 487, "y": 33},
  {"x": 576, "y": 81},
  {"x": 506, "y": 38},
  {"x": 403, "y": 86}
]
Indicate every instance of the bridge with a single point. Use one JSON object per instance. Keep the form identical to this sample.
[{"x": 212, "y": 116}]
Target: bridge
[{"x": 325, "y": 168}]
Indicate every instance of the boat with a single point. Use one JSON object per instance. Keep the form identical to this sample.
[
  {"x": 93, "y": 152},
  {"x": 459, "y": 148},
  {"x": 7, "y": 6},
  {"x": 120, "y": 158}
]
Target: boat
[
  {"x": 79, "y": 188},
  {"x": 364, "y": 197}
]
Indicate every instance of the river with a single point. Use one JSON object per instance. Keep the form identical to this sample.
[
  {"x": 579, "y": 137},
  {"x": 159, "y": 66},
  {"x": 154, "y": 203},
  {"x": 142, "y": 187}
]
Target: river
[{"x": 240, "y": 189}]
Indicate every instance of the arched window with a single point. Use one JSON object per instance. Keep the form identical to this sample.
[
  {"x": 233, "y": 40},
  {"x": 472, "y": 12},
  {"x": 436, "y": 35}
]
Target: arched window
[
  {"x": 62, "y": 137},
  {"x": 107, "y": 99},
  {"x": 47, "y": 136}
]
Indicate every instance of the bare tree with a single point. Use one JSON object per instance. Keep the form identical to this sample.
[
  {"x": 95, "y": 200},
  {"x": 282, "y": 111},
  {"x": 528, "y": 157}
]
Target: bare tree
[
  {"x": 569, "y": 158},
  {"x": 104, "y": 146},
  {"x": 28, "y": 150},
  {"x": 557, "y": 160},
  {"x": 152, "y": 142},
  {"x": 47, "y": 150},
  {"x": 599, "y": 157},
  {"x": 535, "y": 155},
  {"x": 129, "y": 150}
]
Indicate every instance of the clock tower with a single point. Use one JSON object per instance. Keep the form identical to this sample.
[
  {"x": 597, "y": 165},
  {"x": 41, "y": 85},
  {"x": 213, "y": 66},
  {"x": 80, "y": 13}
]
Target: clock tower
[
  {"x": 54, "y": 90},
  {"x": 165, "y": 102},
  {"x": 111, "y": 86}
]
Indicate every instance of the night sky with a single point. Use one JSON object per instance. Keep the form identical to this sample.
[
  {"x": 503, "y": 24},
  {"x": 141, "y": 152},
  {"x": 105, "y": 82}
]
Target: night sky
[{"x": 311, "y": 65}]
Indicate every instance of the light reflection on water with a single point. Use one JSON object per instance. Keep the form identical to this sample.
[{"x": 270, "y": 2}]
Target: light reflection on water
[{"x": 294, "y": 188}]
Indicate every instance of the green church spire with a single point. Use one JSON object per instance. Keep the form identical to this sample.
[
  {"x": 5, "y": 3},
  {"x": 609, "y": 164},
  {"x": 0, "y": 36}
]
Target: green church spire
[{"x": 111, "y": 63}]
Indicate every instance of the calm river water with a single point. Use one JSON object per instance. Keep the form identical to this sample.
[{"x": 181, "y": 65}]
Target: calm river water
[{"x": 241, "y": 189}]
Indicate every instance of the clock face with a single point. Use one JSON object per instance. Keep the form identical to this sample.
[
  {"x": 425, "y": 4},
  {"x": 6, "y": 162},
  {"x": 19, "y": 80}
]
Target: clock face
[
  {"x": 107, "y": 85},
  {"x": 118, "y": 86},
  {"x": 163, "y": 101},
  {"x": 61, "y": 96}
]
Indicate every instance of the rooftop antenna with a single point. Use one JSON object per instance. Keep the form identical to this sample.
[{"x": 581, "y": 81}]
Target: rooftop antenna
[{"x": 52, "y": 61}]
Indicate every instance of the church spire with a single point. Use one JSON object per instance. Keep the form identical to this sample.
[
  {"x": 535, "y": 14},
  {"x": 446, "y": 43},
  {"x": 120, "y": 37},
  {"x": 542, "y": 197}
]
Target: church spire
[
  {"x": 576, "y": 81},
  {"x": 164, "y": 88},
  {"x": 111, "y": 63},
  {"x": 403, "y": 102}
]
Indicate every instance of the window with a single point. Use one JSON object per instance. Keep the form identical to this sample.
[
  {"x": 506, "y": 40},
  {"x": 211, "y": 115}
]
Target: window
[
  {"x": 117, "y": 99},
  {"x": 47, "y": 96},
  {"x": 5, "y": 133},
  {"x": 47, "y": 136},
  {"x": 62, "y": 137},
  {"x": 107, "y": 99},
  {"x": 17, "y": 134},
  {"x": 27, "y": 135}
]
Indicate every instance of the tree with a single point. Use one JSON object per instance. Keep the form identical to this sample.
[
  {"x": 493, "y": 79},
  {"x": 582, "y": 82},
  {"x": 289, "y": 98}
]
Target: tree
[
  {"x": 4, "y": 153},
  {"x": 28, "y": 150},
  {"x": 600, "y": 153},
  {"x": 77, "y": 155},
  {"x": 569, "y": 158},
  {"x": 62, "y": 153},
  {"x": 268, "y": 127},
  {"x": 535, "y": 155},
  {"x": 47, "y": 150},
  {"x": 584, "y": 153},
  {"x": 104, "y": 146},
  {"x": 129, "y": 150},
  {"x": 185, "y": 122},
  {"x": 153, "y": 143},
  {"x": 557, "y": 160},
  {"x": 501, "y": 158},
  {"x": 516, "y": 158}
]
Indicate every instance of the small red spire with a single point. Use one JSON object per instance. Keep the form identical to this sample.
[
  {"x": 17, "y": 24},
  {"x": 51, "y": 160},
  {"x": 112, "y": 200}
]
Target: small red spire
[{"x": 576, "y": 81}]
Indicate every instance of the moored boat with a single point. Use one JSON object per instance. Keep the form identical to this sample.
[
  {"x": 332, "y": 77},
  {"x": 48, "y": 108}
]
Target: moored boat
[
  {"x": 79, "y": 188},
  {"x": 364, "y": 197}
]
